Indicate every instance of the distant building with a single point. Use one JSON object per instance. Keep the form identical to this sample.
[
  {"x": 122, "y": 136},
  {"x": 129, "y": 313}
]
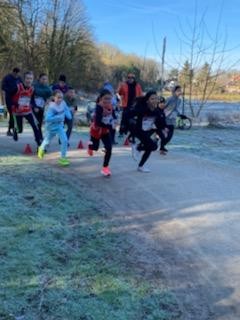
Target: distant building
[{"x": 233, "y": 86}]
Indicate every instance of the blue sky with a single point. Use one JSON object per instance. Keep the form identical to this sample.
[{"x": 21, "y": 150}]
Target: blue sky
[{"x": 135, "y": 26}]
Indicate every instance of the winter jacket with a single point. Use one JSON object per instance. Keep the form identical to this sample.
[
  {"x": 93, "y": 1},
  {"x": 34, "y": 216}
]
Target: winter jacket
[
  {"x": 103, "y": 121},
  {"x": 56, "y": 86},
  {"x": 172, "y": 109},
  {"x": 148, "y": 120},
  {"x": 56, "y": 114},
  {"x": 123, "y": 92},
  {"x": 9, "y": 84},
  {"x": 41, "y": 94}
]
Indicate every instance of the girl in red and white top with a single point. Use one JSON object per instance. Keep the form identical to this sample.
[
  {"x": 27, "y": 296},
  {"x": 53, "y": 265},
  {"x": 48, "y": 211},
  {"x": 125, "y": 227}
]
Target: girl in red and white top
[{"x": 104, "y": 120}]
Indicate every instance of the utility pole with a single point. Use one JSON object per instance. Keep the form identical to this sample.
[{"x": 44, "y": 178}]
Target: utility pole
[{"x": 163, "y": 63}]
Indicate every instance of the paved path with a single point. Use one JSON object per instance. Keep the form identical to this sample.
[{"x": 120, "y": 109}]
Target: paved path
[{"x": 183, "y": 219}]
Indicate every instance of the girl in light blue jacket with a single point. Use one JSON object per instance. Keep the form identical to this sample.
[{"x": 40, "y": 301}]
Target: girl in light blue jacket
[{"x": 54, "y": 125}]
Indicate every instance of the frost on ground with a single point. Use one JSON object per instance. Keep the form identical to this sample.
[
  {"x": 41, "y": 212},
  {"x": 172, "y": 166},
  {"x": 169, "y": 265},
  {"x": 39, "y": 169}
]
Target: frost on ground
[
  {"x": 219, "y": 145},
  {"x": 59, "y": 256}
]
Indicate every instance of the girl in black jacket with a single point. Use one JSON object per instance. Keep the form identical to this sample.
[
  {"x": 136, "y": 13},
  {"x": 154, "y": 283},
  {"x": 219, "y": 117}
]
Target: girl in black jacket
[{"x": 149, "y": 120}]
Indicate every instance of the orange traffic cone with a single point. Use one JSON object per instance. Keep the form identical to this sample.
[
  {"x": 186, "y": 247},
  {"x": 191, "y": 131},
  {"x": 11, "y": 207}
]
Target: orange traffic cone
[
  {"x": 28, "y": 149},
  {"x": 80, "y": 145},
  {"x": 126, "y": 143}
]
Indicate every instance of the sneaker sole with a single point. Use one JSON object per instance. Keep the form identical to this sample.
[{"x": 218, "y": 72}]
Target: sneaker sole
[{"x": 106, "y": 175}]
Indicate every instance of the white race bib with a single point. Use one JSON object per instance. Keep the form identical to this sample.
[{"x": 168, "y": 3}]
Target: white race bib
[
  {"x": 40, "y": 102},
  {"x": 24, "y": 101},
  {"x": 148, "y": 123},
  {"x": 107, "y": 120}
]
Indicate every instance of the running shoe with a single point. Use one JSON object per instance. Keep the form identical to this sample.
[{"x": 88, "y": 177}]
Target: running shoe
[
  {"x": 106, "y": 172},
  {"x": 9, "y": 133},
  {"x": 144, "y": 169},
  {"x": 64, "y": 162},
  {"x": 163, "y": 153},
  {"x": 136, "y": 154},
  {"x": 15, "y": 135},
  {"x": 41, "y": 153}
]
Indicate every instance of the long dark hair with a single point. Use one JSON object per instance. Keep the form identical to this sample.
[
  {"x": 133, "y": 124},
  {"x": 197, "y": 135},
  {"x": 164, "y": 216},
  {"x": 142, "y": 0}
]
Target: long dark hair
[
  {"x": 103, "y": 93},
  {"x": 143, "y": 100}
]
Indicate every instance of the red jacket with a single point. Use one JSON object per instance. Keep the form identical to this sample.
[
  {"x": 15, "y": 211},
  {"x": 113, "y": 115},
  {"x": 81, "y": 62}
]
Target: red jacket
[
  {"x": 100, "y": 125},
  {"x": 22, "y": 100},
  {"x": 123, "y": 92}
]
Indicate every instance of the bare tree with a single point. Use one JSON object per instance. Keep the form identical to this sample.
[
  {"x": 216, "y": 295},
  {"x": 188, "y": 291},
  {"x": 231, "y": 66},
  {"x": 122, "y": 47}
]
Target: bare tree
[{"x": 199, "y": 77}]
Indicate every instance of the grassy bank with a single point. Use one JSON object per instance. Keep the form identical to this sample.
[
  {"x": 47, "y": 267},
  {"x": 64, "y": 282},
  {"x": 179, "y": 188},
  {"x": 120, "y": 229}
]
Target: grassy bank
[
  {"x": 224, "y": 97},
  {"x": 59, "y": 256}
]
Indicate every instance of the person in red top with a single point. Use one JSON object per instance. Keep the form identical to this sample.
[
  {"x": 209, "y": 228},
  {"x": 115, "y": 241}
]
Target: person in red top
[
  {"x": 128, "y": 91},
  {"x": 104, "y": 120},
  {"x": 22, "y": 107}
]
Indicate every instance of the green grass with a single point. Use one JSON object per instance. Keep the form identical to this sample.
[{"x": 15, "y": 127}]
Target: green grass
[{"x": 59, "y": 256}]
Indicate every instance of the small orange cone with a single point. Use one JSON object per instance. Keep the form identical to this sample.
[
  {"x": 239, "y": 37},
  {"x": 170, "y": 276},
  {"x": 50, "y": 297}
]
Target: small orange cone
[
  {"x": 80, "y": 145},
  {"x": 126, "y": 143},
  {"x": 28, "y": 150}
]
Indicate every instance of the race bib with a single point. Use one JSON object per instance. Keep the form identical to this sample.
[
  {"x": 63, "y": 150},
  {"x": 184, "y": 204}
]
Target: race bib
[
  {"x": 40, "y": 102},
  {"x": 24, "y": 101},
  {"x": 107, "y": 120},
  {"x": 148, "y": 123}
]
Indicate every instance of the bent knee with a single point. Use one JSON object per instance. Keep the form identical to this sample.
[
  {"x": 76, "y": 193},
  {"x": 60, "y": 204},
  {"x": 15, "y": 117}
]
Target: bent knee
[
  {"x": 155, "y": 146},
  {"x": 152, "y": 147}
]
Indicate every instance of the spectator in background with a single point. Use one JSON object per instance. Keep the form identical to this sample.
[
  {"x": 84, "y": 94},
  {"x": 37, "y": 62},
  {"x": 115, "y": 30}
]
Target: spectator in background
[
  {"x": 61, "y": 85},
  {"x": 128, "y": 91},
  {"x": 9, "y": 83}
]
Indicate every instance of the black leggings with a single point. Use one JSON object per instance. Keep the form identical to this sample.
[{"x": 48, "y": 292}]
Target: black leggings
[
  {"x": 11, "y": 121},
  {"x": 69, "y": 123},
  {"x": 18, "y": 123},
  {"x": 146, "y": 144},
  {"x": 39, "y": 116},
  {"x": 166, "y": 140},
  {"x": 113, "y": 134},
  {"x": 107, "y": 142},
  {"x": 124, "y": 121}
]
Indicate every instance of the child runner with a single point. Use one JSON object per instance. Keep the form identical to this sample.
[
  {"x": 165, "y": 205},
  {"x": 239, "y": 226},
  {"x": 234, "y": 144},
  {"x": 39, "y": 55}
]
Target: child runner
[
  {"x": 100, "y": 129},
  {"x": 56, "y": 113},
  {"x": 115, "y": 104},
  {"x": 22, "y": 107},
  {"x": 172, "y": 111},
  {"x": 148, "y": 121},
  {"x": 163, "y": 134},
  {"x": 71, "y": 101},
  {"x": 42, "y": 92}
]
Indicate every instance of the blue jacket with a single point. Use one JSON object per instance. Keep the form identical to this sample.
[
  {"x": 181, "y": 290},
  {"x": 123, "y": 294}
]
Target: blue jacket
[{"x": 56, "y": 114}]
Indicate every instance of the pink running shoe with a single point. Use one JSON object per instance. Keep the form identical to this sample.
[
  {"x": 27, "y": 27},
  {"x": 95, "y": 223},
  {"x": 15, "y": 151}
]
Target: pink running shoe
[{"x": 106, "y": 172}]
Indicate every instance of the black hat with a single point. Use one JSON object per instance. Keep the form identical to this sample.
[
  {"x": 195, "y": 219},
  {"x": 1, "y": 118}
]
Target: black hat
[
  {"x": 62, "y": 77},
  {"x": 162, "y": 100},
  {"x": 16, "y": 70}
]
